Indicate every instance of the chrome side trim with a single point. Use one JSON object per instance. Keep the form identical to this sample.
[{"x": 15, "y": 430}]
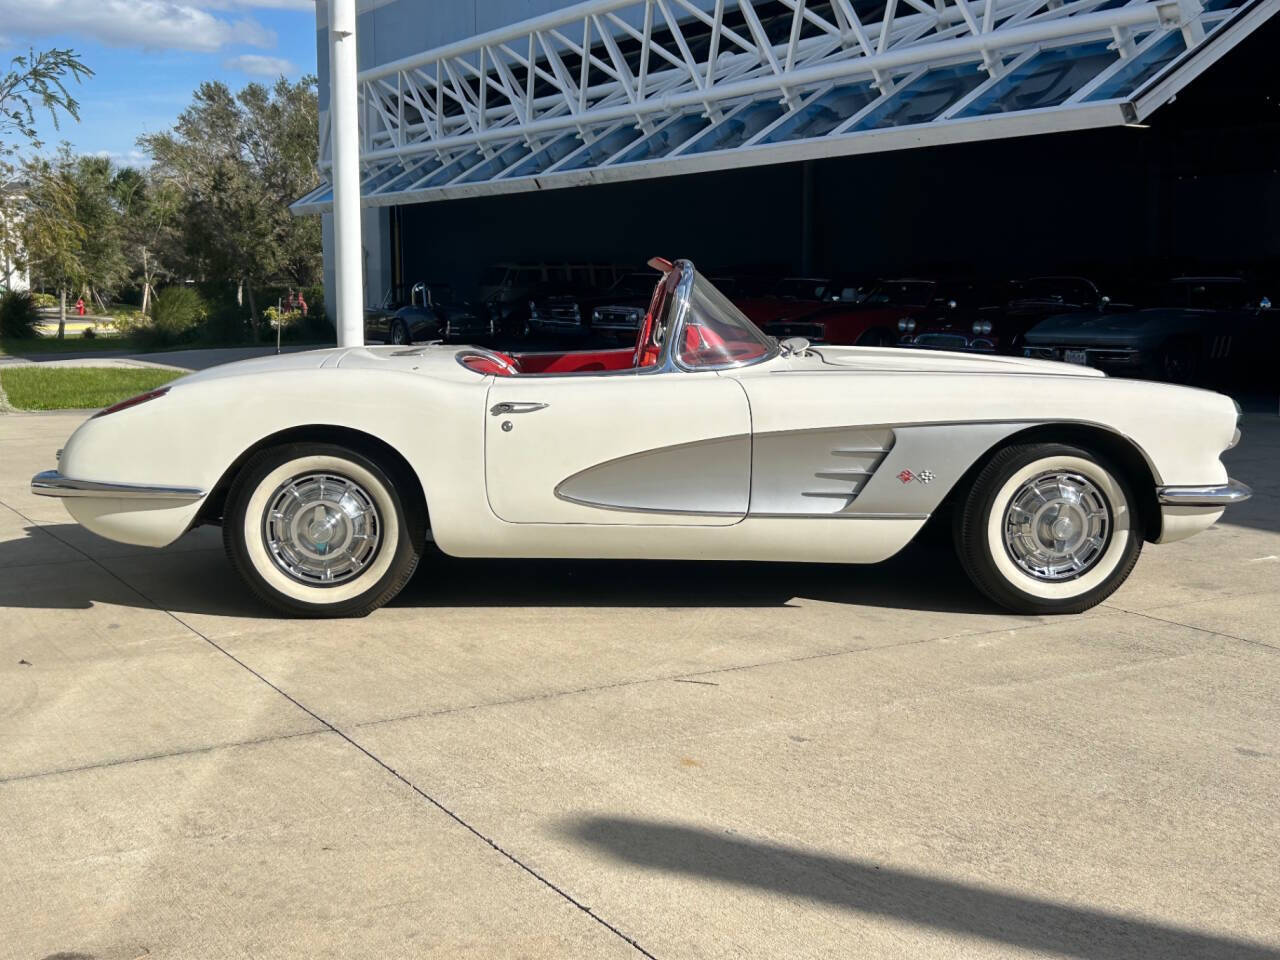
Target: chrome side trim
[
  {"x": 50, "y": 483},
  {"x": 1233, "y": 491}
]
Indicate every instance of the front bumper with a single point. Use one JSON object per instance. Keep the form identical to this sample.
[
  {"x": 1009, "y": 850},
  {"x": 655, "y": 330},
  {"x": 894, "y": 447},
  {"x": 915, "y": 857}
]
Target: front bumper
[
  {"x": 1094, "y": 356},
  {"x": 51, "y": 483},
  {"x": 1221, "y": 495},
  {"x": 954, "y": 342}
]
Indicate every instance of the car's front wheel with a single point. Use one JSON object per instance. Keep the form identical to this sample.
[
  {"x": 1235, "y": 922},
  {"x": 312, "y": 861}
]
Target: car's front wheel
[
  {"x": 316, "y": 529},
  {"x": 1048, "y": 528}
]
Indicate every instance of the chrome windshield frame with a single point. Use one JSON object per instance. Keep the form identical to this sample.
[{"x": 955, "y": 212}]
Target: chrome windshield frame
[{"x": 669, "y": 360}]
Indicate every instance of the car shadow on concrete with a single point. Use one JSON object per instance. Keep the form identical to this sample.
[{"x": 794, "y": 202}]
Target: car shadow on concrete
[
  {"x": 866, "y": 887},
  {"x": 924, "y": 577}
]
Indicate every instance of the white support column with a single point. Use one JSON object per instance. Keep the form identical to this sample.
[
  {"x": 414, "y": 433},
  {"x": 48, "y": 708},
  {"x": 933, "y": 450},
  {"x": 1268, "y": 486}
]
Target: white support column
[{"x": 345, "y": 144}]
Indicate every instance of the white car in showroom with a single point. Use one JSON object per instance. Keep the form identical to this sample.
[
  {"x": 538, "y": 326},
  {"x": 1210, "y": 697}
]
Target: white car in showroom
[{"x": 330, "y": 470}]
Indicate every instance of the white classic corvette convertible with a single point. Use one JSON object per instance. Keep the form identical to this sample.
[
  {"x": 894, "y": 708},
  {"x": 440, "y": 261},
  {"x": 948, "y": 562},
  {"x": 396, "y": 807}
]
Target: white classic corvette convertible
[{"x": 330, "y": 470}]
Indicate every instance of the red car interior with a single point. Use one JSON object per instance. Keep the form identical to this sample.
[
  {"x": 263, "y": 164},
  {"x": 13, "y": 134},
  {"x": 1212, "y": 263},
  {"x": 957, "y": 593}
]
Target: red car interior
[
  {"x": 701, "y": 345},
  {"x": 575, "y": 362}
]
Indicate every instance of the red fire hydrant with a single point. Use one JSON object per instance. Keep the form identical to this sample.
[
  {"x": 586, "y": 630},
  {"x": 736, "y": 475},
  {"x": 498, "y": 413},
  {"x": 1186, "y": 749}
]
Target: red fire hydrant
[{"x": 80, "y": 306}]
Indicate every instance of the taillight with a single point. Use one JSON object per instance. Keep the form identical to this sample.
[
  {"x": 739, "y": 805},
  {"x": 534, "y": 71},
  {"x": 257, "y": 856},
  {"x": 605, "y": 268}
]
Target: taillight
[{"x": 132, "y": 402}]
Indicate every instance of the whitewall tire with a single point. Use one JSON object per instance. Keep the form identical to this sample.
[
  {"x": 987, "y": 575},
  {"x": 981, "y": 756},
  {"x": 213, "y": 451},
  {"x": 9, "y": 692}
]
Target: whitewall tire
[
  {"x": 1048, "y": 528},
  {"x": 316, "y": 529}
]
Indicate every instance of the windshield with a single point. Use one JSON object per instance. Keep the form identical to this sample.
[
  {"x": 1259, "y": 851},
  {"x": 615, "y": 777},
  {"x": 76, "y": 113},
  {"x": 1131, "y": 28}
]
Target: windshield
[
  {"x": 1210, "y": 294},
  {"x": 1053, "y": 288},
  {"x": 632, "y": 285},
  {"x": 715, "y": 332},
  {"x": 900, "y": 293},
  {"x": 801, "y": 288}
]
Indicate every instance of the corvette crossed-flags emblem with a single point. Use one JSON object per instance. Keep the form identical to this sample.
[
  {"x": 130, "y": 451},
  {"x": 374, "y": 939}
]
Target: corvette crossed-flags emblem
[{"x": 924, "y": 476}]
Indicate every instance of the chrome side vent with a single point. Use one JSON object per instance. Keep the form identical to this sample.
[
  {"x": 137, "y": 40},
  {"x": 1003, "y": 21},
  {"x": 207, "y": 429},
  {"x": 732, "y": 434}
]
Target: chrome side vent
[{"x": 809, "y": 472}]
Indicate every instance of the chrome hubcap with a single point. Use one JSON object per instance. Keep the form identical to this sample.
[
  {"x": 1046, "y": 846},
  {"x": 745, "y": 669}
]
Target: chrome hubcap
[
  {"x": 1056, "y": 526},
  {"x": 321, "y": 528}
]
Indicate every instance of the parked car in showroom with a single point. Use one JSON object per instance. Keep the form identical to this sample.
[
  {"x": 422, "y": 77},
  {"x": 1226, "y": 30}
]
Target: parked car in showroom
[
  {"x": 622, "y": 316},
  {"x": 794, "y": 297},
  {"x": 574, "y": 310},
  {"x": 1196, "y": 329},
  {"x": 379, "y": 316},
  {"x": 872, "y": 316},
  {"x": 330, "y": 470},
  {"x": 994, "y": 320},
  {"x": 507, "y": 290},
  {"x": 432, "y": 313}
]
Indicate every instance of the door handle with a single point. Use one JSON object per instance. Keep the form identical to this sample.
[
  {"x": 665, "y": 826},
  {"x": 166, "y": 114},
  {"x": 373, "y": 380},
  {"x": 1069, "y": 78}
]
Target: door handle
[{"x": 498, "y": 409}]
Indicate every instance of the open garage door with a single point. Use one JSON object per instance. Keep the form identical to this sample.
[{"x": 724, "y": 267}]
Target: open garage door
[{"x": 612, "y": 90}]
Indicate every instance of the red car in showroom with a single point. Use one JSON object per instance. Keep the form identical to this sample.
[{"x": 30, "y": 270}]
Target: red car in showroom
[
  {"x": 872, "y": 317},
  {"x": 793, "y": 297}
]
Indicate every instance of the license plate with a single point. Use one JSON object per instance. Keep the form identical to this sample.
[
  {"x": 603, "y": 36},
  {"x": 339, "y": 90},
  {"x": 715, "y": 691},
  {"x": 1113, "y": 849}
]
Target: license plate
[{"x": 1075, "y": 356}]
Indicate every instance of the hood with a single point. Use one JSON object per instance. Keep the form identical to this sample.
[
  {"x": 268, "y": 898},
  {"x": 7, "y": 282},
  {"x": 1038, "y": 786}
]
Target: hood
[
  {"x": 942, "y": 361},
  {"x": 1093, "y": 327}
]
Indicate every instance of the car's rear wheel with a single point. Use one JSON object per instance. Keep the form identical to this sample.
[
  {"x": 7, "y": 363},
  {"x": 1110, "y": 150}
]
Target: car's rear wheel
[
  {"x": 399, "y": 334},
  {"x": 1048, "y": 528},
  {"x": 318, "y": 530}
]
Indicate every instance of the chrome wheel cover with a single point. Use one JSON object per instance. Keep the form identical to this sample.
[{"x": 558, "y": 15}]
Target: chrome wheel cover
[
  {"x": 1056, "y": 526},
  {"x": 321, "y": 528}
]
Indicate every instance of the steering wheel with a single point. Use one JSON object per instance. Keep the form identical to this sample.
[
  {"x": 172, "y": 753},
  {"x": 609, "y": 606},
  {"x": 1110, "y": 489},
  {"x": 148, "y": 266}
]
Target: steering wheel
[{"x": 504, "y": 362}]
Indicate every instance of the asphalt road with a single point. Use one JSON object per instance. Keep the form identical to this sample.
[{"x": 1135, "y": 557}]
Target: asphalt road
[{"x": 673, "y": 760}]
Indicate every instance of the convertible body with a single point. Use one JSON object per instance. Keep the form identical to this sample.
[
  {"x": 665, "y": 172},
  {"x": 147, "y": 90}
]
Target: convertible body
[{"x": 706, "y": 441}]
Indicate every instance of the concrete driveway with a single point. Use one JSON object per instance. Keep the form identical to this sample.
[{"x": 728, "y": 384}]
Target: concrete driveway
[{"x": 563, "y": 759}]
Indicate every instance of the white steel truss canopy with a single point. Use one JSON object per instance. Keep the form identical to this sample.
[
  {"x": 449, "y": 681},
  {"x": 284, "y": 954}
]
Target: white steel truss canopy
[{"x": 611, "y": 90}]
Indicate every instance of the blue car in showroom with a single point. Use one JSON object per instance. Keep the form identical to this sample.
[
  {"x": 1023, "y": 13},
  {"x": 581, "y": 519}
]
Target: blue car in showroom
[{"x": 1197, "y": 329}]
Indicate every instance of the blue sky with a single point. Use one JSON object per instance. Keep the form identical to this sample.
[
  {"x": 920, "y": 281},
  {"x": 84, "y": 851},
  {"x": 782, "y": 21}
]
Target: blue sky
[{"x": 148, "y": 56}]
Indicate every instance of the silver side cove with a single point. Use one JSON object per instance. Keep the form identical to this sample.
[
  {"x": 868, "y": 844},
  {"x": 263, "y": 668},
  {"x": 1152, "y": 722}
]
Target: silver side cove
[
  {"x": 707, "y": 478},
  {"x": 830, "y": 473}
]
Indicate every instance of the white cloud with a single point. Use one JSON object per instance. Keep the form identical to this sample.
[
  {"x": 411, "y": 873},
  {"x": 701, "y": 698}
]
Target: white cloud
[
  {"x": 150, "y": 24},
  {"x": 260, "y": 66},
  {"x": 133, "y": 158}
]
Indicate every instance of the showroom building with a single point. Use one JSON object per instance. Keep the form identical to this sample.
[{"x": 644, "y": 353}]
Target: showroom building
[{"x": 1002, "y": 137}]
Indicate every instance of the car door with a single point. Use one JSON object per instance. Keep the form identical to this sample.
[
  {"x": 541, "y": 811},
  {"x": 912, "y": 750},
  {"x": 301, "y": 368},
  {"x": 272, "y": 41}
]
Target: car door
[{"x": 619, "y": 448}]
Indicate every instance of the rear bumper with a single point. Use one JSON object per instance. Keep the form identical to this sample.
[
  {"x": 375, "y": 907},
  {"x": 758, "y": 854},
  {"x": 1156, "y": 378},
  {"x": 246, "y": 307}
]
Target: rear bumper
[
  {"x": 51, "y": 483},
  {"x": 1220, "y": 495}
]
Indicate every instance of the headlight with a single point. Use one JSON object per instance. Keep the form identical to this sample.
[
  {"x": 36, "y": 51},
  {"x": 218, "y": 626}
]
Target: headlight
[
  {"x": 596, "y": 316},
  {"x": 982, "y": 327},
  {"x": 910, "y": 324},
  {"x": 533, "y": 310}
]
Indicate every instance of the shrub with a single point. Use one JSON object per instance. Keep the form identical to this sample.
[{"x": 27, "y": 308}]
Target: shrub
[
  {"x": 128, "y": 324},
  {"x": 176, "y": 315},
  {"x": 90, "y": 333},
  {"x": 44, "y": 301},
  {"x": 18, "y": 316}
]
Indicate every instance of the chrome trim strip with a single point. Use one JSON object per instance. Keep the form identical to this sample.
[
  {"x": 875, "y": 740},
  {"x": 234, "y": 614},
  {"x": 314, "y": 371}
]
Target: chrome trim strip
[
  {"x": 50, "y": 483},
  {"x": 840, "y": 515},
  {"x": 1233, "y": 491}
]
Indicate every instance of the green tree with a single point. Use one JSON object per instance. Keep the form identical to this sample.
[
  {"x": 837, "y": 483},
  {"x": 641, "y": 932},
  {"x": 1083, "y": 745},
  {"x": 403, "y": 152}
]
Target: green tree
[
  {"x": 52, "y": 233},
  {"x": 102, "y": 257},
  {"x": 149, "y": 209},
  {"x": 34, "y": 83},
  {"x": 240, "y": 160}
]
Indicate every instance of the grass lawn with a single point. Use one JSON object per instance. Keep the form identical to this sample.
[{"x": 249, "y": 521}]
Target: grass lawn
[
  {"x": 71, "y": 343},
  {"x": 71, "y": 388}
]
